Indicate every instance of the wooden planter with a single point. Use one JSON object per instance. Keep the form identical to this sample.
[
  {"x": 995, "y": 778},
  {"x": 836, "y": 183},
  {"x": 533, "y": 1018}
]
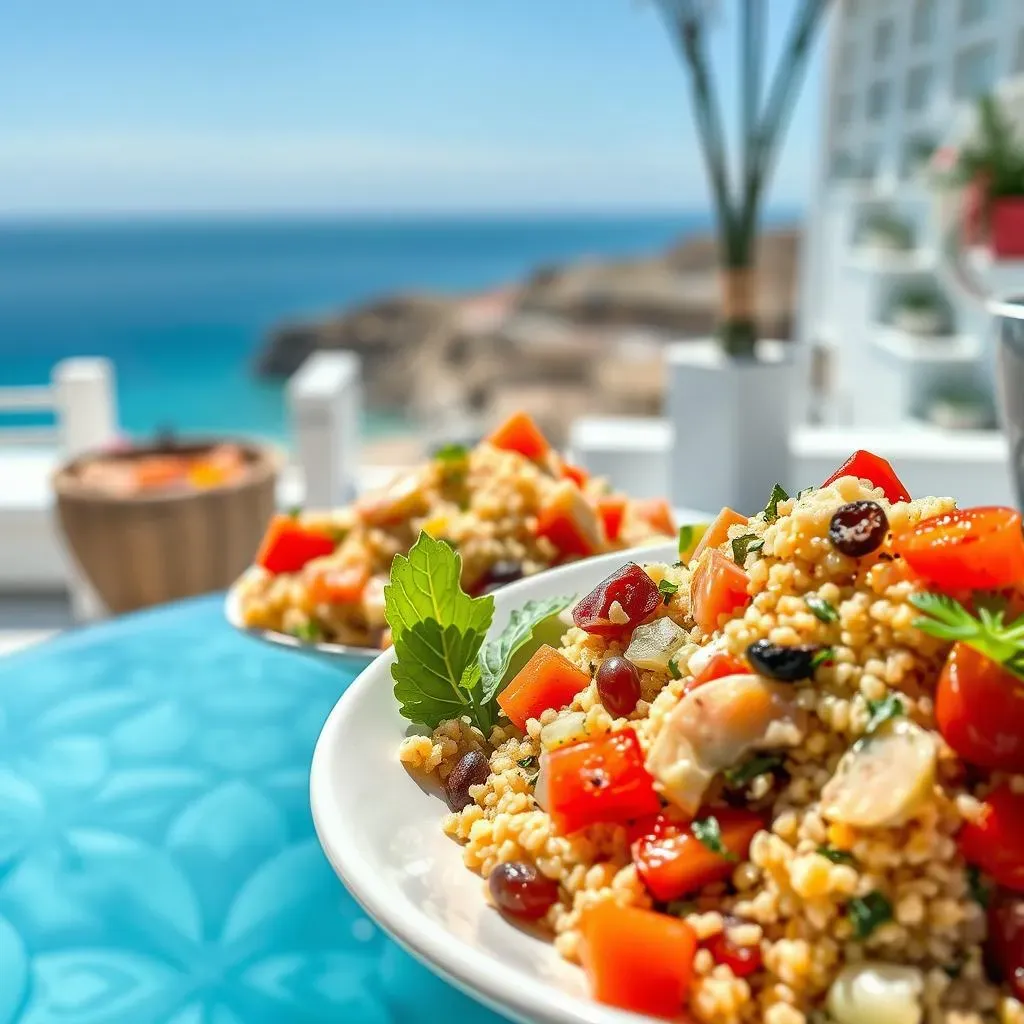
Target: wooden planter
[{"x": 144, "y": 550}]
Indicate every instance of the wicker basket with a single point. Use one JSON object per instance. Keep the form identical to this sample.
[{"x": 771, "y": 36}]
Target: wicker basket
[{"x": 142, "y": 551}]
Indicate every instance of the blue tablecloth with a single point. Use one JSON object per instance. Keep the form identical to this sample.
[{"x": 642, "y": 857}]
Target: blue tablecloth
[{"x": 157, "y": 858}]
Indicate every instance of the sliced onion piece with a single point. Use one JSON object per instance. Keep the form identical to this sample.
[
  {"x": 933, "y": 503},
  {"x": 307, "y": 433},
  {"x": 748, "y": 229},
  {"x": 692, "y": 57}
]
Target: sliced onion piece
[
  {"x": 567, "y": 728},
  {"x": 883, "y": 778},
  {"x": 877, "y": 993},
  {"x": 654, "y": 643}
]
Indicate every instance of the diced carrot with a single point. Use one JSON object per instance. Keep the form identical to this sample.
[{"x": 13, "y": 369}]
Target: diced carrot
[
  {"x": 612, "y": 509},
  {"x": 718, "y": 532},
  {"x": 718, "y": 587},
  {"x": 596, "y": 781},
  {"x": 341, "y": 585},
  {"x": 673, "y": 862},
  {"x": 547, "y": 680},
  {"x": 287, "y": 545},
  {"x": 519, "y": 433},
  {"x": 577, "y": 474},
  {"x": 637, "y": 960},
  {"x": 719, "y": 666},
  {"x": 657, "y": 512},
  {"x": 570, "y": 522}
]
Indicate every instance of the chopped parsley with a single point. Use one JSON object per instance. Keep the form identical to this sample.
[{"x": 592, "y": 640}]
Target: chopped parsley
[
  {"x": 527, "y": 762},
  {"x": 452, "y": 453},
  {"x": 980, "y": 892},
  {"x": 667, "y": 588},
  {"x": 804, "y": 492},
  {"x": 771, "y": 510},
  {"x": 881, "y": 711},
  {"x": 821, "y": 609},
  {"x": 294, "y": 512},
  {"x": 835, "y": 855},
  {"x": 673, "y": 668},
  {"x": 822, "y": 656},
  {"x": 741, "y": 774},
  {"x": 309, "y": 632},
  {"x": 709, "y": 833},
  {"x": 742, "y": 546},
  {"x": 868, "y": 912}
]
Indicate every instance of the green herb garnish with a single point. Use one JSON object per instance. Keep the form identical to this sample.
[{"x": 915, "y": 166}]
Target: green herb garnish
[
  {"x": 309, "y": 632},
  {"x": 673, "y": 668},
  {"x": 294, "y": 512},
  {"x": 527, "y": 762},
  {"x": 821, "y": 656},
  {"x": 452, "y": 453},
  {"x": 680, "y": 908},
  {"x": 803, "y": 493},
  {"x": 442, "y": 667},
  {"x": 771, "y": 510},
  {"x": 752, "y": 768},
  {"x": 338, "y": 534},
  {"x": 868, "y": 912},
  {"x": 821, "y": 609},
  {"x": 881, "y": 711},
  {"x": 667, "y": 588},
  {"x": 980, "y": 892},
  {"x": 988, "y": 633},
  {"x": 835, "y": 855},
  {"x": 742, "y": 546},
  {"x": 709, "y": 833}
]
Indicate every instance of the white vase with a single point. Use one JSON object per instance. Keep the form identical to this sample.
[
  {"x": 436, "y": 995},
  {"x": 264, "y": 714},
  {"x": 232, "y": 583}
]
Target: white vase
[{"x": 732, "y": 420}]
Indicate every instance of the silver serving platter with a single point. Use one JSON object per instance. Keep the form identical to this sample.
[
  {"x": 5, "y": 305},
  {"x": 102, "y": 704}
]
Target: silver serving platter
[{"x": 342, "y": 656}]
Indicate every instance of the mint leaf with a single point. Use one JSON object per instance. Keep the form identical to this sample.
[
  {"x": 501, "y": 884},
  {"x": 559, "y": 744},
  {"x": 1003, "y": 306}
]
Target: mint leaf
[
  {"x": 868, "y": 912},
  {"x": 771, "y": 510},
  {"x": 673, "y": 668},
  {"x": 709, "y": 833},
  {"x": 821, "y": 609},
  {"x": 742, "y": 546},
  {"x": 881, "y": 711},
  {"x": 667, "y": 588},
  {"x": 496, "y": 655}
]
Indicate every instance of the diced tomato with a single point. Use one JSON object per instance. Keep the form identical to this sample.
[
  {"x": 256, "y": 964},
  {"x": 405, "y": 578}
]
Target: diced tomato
[
  {"x": 741, "y": 960},
  {"x": 159, "y": 471},
  {"x": 341, "y": 585},
  {"x": 718, "y": 587},
  {"x": 599, "y": 780},
  {"x": 1006, "y": 938},
  {"x": 719, "y": 666},
  {"x": 673, "y": 862},
  {"x": 287, "y": 545},
  {"x": 577, "y": 474},
  {"x": 995, "y": 842},
  {"x": 877, "y": 471},
  {"x": 718, "y": 532},
  {"x": 612, "y": 510},
  {"x": 657, "y": 513},
  {"x": 519, "y": 433},
  {"x": 971, "y": 548},
  {"x": 637, "y": 960},
  {"x": 979, "y": 707},
  {"x": 631, "y": 589},
  {"x": 570, "y": 522},
  {"x": 548, "y": 680}
]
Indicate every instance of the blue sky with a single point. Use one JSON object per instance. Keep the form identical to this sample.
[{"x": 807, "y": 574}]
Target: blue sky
[{"x": 364, "y": 105}]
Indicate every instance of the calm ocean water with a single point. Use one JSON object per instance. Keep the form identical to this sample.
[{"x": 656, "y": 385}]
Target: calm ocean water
[{"x": 182, "y": 307}]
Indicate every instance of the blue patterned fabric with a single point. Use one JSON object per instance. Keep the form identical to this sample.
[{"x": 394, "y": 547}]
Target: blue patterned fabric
[{"x": 157, "y": 858}]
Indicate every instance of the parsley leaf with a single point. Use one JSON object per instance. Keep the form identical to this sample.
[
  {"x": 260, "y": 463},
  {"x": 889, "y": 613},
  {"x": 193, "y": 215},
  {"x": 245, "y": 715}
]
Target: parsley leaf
[
  {"x": 771, "y": 510},
  {"x": 988, "y": 633},
  {"x": 880, "y": 711},
  {"x": 452, "y": 453},
  {"x": 742, "y": 546},
  {"x": 668, "y": 588},
  {"x": 294, "y": 512},
  {"x": 496, "y": 655},
  {"x": 835, "y": 855},
  {"x": 673, "y": 668},
  {"x": 980, "y": 892},
  {"x": 709, "y": 833},
  {"x": 868, "y": 912},
  {"x": 527, "y": 762},
  {"x": 804, "y": 492},
  {"x": 821, "y": 656},
  {"x": 309, "y": 632},
  {"x": 438, "y": 631},
  {"x": 821, "y": 609},
  {"x": 741, "y": 774}
]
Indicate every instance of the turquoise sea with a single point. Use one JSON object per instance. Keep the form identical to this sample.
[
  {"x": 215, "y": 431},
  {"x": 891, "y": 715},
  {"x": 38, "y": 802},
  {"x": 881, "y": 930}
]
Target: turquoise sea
[{"x": 183, "y": 306}]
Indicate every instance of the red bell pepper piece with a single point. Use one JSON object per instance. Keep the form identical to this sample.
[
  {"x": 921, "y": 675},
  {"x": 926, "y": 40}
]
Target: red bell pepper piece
[
  {"x": 548, "y": 680},
  {"x": 658, "y": 514},
  {"x": 719, "y": 666},
  {"x": 718, "y": 587},
  {"x": 570, "y": 522},
  {"x": 519, "y": 433},
  {"x": 287, "y": 545},
  {"x": 600, "y": 780},
  {"x": 877, "y": 471},
  {"x": 577, "y": 474},
  {"x": 612, "y": 510}
]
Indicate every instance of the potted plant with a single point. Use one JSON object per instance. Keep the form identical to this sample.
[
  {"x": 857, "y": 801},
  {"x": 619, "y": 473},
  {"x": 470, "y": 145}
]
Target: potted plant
[
  {"x": 991, "y": 169},
  {"x": 737, "y": 388},
  {"x": 920, "y": 309},
  {"x": 884, "y": 230},
  {"x": 957, "y": 404}
]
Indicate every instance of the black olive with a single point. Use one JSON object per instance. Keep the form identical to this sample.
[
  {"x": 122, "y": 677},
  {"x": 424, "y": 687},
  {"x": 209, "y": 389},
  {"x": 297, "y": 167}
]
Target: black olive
[
  {"x": 777, "y": 661},
  {"x": 471, "y": 769},
  {"x": 501, "y": 574},
  {"x": 859, "y": 528}
]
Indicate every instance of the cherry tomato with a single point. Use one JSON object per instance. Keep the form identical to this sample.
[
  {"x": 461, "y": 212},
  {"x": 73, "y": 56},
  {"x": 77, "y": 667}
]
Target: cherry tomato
[
  {"x": 877, "y": 471},
  {"x": 631, "y": 589},
  {"x": 979, "y": 707},
  {"x": 601, "y": 780},
  {"x": 972, "y": 548},
  {"x": 741, "y": 960},
  {"x": 1006, "y": 938},
  {"x": 995, "y": 843}
]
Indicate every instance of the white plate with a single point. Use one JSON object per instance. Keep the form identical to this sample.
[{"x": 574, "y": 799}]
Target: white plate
[{"x": 382, "y": 833}]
